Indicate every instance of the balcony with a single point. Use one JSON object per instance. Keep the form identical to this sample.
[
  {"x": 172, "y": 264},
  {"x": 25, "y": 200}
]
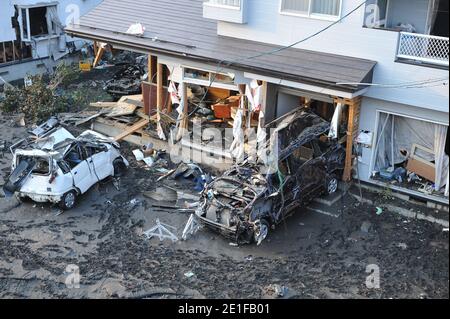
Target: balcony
[
  {"x": 423, "y": 49},
  {"x": 226, "y": 10}
]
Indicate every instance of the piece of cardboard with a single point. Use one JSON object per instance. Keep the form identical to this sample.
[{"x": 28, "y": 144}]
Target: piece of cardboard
[{"x": 422, "y": 169}]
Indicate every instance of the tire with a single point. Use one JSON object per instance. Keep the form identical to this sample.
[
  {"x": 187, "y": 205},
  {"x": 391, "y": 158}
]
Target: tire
[
  {"x": 68, "y": 200},
  {"x": 261, "y": 232},
  {"x": 119, "y": 167},
  {"x": 332, "y": 185}
]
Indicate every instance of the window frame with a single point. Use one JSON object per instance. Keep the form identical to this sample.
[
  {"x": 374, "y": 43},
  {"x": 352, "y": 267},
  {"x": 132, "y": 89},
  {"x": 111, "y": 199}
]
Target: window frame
[
  {"x": 238, "y": 8},
  {"x": 311, "y": 15},
  {"x": 27, "y": 8}
]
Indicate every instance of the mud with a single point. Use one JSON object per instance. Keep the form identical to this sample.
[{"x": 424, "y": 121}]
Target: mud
[{"x": 313, "y": 255}]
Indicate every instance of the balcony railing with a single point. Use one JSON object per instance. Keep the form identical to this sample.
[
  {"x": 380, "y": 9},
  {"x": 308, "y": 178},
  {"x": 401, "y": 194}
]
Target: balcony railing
[{"x": 423, "y": 48}]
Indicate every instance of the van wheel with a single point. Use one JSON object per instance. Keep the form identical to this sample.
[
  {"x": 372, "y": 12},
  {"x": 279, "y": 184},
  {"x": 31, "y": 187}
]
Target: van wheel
[
  {"x": 332, "y": 185},
  {"x": 261, "y": 231},
  {"x": 68, "y": 200},
  {"x": 119, "y": 167}
]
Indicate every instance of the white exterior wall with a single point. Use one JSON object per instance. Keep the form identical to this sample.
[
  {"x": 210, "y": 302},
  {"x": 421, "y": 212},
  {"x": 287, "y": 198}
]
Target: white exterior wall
[
  {"x": 7, "y": 33},
  {"x": 350, "y": 38}
]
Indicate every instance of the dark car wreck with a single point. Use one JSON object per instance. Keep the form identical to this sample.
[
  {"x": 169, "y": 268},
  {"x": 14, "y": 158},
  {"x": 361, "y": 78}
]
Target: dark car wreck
[{"x": 248, "y": 200}]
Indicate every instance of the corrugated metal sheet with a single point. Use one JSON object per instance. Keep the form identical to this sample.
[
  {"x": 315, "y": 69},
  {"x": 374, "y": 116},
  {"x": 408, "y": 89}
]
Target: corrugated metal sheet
[{"x": 178, "y": 28}]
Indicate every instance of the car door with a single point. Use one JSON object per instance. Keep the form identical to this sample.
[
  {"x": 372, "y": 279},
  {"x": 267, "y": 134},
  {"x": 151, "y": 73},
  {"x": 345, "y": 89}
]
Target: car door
[
  {"x": 82, "y": 174},
  {"x": 99, "y": 159},
  {"x": 312, "y": 170}
]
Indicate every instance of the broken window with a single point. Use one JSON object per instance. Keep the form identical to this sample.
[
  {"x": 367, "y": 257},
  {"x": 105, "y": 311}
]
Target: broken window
[
  {"x": 74, "y": 157},
  {"x": 41, "y": 166},
  {"x": 39, "y": 22},
  {"x": 92, "y": 150}
]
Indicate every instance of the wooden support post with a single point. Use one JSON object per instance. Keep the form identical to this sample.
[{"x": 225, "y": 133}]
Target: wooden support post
[
  {"x": 152, "y": 68},
  {"x": 354, "y": 107},
  {"x": 184, "y": 123},
  {"x": 160, "y": 87},
  {"x": 95, "y": 48},
  {"x": 98, "y": 57}
]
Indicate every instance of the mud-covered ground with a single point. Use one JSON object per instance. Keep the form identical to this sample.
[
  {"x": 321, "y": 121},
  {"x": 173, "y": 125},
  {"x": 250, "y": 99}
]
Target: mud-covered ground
[{"x": 313, "y": 255}]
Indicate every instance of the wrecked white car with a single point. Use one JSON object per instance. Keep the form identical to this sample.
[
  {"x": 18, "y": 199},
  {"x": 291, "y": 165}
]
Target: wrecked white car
[{"x": 59, "y": 167}]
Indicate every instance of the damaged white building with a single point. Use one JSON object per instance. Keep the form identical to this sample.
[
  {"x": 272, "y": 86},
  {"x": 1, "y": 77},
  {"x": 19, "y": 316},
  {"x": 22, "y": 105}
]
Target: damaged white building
[{"x": 32, "y": 38}]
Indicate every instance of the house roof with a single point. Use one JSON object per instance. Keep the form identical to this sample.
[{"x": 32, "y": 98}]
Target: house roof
[{"x": 177, "y": 28}]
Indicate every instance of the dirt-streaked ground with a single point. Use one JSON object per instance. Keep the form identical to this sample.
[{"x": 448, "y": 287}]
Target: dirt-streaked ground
[{"x": 314, "y": 255}]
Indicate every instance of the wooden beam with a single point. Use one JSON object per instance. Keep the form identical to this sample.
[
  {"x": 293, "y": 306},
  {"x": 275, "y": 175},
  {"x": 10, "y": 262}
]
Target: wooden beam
[
  {"x": 132, "y": 129},
  {"x": 354, "y": 107},
  {"x": 95, "y": 48},
  {"x": 152, "y": 68},
  {"x": 98, "y": 57}
]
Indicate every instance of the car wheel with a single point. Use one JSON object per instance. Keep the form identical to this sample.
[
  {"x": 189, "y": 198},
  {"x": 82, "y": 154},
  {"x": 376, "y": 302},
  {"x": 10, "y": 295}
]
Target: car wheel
[
  {"x": 23, "y": 199},
  {"x": 119, "y": 168},
  {"x": 68, "y": 200},
  {"x": 332, "y": 185},
  {"x": 261, "y": 231}
]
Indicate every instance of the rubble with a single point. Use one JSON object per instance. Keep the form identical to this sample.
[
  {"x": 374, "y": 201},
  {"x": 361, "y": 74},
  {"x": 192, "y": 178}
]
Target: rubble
[{"x": 127, "y": 81}]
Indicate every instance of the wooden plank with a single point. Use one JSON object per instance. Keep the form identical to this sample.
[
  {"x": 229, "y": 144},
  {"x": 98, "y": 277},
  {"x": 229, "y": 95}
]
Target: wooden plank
[
  {"x": 103, "y": 104},
  {"x": 132, "y": 129}
]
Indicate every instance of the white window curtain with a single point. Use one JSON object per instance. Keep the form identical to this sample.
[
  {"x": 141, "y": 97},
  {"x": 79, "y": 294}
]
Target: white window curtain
[
  {"x": 53, "y": 22},
  {"x": 301, "y": 6},
  {"x": 231, "y": 3},
  {"x": 308, "y": 7},
  {"x": 326, "y": 7}
]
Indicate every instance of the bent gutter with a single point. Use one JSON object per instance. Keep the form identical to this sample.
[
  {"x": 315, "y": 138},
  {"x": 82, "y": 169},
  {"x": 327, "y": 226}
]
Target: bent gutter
[{"x": 126, "y": 45}]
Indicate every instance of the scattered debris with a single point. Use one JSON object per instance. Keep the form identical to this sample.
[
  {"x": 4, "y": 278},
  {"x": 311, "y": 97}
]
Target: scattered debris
[
  {"x": 191, "y": 227},
  {"x": 379, "y": 211},
  {"x": 161, "y": 231},
  {"x": 189, "y": 274},
  {"x": 274, "y": 291},
  {"x": 136, "y": 29},
  {"x": 402, "y": 246},
  {"x": 128, "y": 80}
]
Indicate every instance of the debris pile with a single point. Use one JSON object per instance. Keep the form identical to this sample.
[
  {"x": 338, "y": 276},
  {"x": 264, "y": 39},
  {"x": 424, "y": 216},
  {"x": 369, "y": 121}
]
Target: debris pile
[{"x": 128, "y": 80}]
